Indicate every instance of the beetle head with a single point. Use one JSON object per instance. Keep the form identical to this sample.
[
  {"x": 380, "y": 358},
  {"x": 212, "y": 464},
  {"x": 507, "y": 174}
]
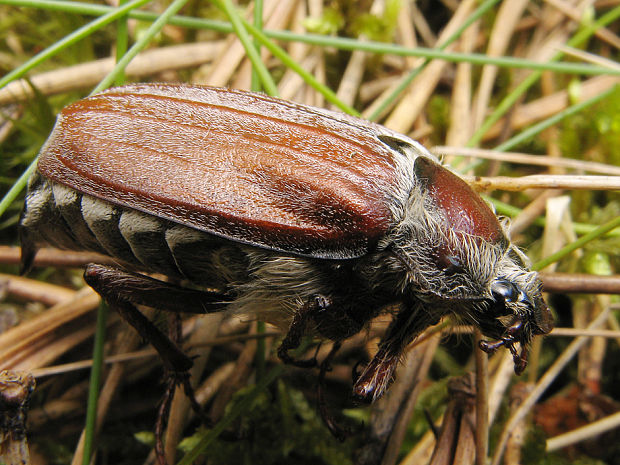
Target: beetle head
[
  {"x": 516, "y": 312},
  {"x": 476, "y": 273}
]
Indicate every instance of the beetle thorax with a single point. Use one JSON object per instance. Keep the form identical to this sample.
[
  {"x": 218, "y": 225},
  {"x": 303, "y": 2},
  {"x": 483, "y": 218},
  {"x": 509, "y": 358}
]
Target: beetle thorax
[{"x": 439, "y": 261}]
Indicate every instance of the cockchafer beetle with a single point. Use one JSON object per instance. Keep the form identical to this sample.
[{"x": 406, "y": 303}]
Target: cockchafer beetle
[{"x": 312, "y": 219}]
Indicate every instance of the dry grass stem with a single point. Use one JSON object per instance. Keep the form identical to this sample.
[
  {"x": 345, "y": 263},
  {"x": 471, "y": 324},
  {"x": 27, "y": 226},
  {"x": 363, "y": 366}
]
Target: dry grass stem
[
  {"x": 391, "y": 414},
  {"x": 84, "y": 364},
  {"x": 531, "y": 212},
  {"x": 351, "y": 78},
  {"x": 532, "y": 112},
  {"x": 19, "y": 338},
  {"x": 292, "y": 83},
  {"x": 85, "y": 75},
  {"x": 508, "y": 15},
  {"x": 586, "y": 432},
  {"x": 32, "y": 290},
  {"x": 418, "y": 362},
  {"x": 501, "y": 378},
  {"x": 407, "y": 32},
  {"x": 456, "y": 443},
  {"x": 421, "y": 26},
  {"x": 46, "y": 348},
  {"x": 602, "y": 33},
  {"x": 526, "y": 159},
  {"x": 207, "y": 390},
  {"x": 482, "y": 402},
  {"x": 142, "y": 354},
  {"x": 572, "y": 332},
  {"x": 243, "y": 369},
  {"x": 408, "y": 109},
  {"x": 581, "y": 283},
  {"x": 543, "y": 181},
  {"x": 461, "y": 128},
  {"x": 423, "y": 450},
  {"x": 590, "y": 58},
  {"x": 517, "y": 436},
  {"x": 11, "y": 255},
  {"x": 9, "y": 115}
]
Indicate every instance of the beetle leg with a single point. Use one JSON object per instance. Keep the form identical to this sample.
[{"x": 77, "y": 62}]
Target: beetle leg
[
  {"x": 379, "y": 373},
  {"x": 163, "y": 412},
  {"x": 491, "y": 346},
  {"x": 123, "y": 290},
  {"x": 297, "y": 330},
  {"x": 340, "y": 433},
  {"x": 115, "y": 284}
]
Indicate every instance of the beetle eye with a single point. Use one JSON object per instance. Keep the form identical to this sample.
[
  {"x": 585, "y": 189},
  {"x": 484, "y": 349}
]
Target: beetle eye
[{"x": 504, "y": 291}]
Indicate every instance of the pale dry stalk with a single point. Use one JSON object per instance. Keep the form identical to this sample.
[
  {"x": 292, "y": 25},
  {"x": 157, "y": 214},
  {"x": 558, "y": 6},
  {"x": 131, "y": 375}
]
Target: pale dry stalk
[
  {"x": 207, "y": 328},
  {"x": 221, "y": 71},
  {"x": 127, "y": 341},
  {"x": 545, "y": 181},
  {"x": 88, "y": 74},
  {"x": 351, "y": 79},
  {"x": 415, "y": 98},
  {"x": 527, "y": 159},
  {"x": 544, "y": 107},
  {"x": 460, "y": 129},
  {"x": 508, "y": 15}
]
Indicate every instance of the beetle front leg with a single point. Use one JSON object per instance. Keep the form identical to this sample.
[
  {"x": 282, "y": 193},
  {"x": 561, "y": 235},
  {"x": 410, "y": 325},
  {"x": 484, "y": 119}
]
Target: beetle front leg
[{"x": 374, "y": 380}]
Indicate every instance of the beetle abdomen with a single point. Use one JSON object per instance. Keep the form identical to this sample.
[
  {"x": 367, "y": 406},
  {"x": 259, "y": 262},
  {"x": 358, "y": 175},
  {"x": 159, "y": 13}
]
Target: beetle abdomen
[{"x": 60, "y": 216}]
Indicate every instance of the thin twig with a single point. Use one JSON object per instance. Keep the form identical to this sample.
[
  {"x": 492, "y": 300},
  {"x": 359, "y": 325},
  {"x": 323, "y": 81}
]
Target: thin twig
[
  {"x": 527, "y": 159},
  {"x": 85, "y": 75},
  {"x": 580, "y": 283},
  {"x": 482, "y": 402},
  {"x": 48, "y": 256},
  {"x": 542, "y": 181},
  {"x": 145, "y": 353},
  {"x": 562, "y": 332},
  {"x": 585, "y": 432}
]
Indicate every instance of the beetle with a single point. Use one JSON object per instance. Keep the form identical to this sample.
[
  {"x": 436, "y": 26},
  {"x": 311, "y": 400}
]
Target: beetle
[{"x": 314, "y": 220}]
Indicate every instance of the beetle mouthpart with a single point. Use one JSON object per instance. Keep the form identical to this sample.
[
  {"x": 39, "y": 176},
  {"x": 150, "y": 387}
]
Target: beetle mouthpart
[
  {"x": 519, "y": 358},
  {"x": 514, "y": 331},
  {"x": 515, "y": 328}
]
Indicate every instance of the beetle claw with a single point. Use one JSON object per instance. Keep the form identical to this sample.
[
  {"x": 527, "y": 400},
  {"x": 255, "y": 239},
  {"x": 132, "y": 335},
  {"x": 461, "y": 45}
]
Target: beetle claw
[{"x": 520, "y": 360}]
